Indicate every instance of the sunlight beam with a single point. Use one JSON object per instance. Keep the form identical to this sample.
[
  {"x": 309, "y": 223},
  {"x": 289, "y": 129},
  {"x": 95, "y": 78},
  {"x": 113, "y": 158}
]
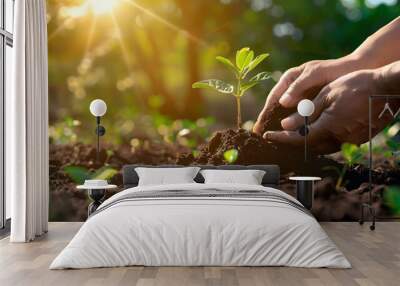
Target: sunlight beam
[
  {"x": 166, "y": 23},
  {"x": 124, "y": 50},
  {"x": 91, "y": 35},
  {"x": 60, "y": 28}
]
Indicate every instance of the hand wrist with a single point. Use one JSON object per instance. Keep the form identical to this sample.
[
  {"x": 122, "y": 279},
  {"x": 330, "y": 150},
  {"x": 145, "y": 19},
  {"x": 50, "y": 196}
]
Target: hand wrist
[
  {"x": 348, "y": 64},
  {"x": 387, "y": 79},
  {"x": 357, "y": 61}
]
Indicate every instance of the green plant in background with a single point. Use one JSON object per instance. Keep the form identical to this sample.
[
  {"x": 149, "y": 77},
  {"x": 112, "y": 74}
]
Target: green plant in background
[
  {"x": 386, "y": 144},
  {"x": 79, "y": 174},
  {"x": 392, "y": 198},
  {"x": 352, "y": 154},
  {"x": 231, "y": 156},
  {"x": 185, "y": 132},
  {"x": 64, "y": 132},
  {"x": 393, "y": 151},
  {"x": 245, "y": 63}
]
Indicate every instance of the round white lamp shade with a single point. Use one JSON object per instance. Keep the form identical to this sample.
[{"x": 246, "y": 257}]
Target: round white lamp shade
[
  {"x": 98, "y": 107},
  {"x": 305, "y": 107}
]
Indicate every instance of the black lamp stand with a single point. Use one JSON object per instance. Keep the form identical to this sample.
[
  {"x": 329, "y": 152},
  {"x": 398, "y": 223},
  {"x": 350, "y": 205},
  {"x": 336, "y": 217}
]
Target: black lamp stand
[
  {"x": 100, "y": 131},
  {"x": 304, "y": 132}
]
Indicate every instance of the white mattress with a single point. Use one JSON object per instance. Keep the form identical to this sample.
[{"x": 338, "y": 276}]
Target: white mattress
[{"x": 200, "y": 231}]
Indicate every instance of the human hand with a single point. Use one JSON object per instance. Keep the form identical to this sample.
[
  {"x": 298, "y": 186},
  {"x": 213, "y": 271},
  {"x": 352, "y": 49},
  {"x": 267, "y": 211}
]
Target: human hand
[
  {"x": 304, "y": 81},
  {"x": 341, "y": 114}
]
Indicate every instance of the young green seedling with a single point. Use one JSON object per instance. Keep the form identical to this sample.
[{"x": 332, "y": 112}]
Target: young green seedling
[
  {"x": 245, "y": 63},
  {"x": 231, "y": 156},
  {"x": 352, "y": 154}
]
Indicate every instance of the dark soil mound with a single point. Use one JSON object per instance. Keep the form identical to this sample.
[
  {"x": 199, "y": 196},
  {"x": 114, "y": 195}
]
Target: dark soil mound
[
  {"x": 253, "y": 149},
  {"x": 331, "y": 202}
]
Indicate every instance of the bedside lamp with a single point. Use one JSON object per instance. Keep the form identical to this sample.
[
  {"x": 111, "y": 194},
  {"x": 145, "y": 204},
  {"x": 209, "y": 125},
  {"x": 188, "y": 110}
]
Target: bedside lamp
[
  {"x": 98, "y": 108},
  {"x": 305, "y": 108}
]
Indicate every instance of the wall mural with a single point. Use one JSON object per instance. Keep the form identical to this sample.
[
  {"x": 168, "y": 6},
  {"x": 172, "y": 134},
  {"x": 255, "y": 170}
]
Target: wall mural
[{"x": 149, "y": 62}]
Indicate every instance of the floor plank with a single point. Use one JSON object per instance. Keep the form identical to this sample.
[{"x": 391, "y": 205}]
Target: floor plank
[{"x": 375, "y": 257}]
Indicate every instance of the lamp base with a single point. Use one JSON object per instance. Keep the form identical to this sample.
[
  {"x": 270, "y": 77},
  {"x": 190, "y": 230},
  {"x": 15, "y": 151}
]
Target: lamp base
[
  {"x": 97, "y": 196},
  {"x": 305, "y": 193}
]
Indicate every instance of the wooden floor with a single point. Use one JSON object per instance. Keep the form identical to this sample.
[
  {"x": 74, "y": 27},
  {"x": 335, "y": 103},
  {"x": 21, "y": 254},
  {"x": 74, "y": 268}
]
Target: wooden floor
[{"x": 375, "y": 257}]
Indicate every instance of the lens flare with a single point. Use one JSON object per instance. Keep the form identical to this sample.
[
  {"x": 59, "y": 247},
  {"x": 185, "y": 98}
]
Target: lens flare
[{"x": 100, "y": 7}]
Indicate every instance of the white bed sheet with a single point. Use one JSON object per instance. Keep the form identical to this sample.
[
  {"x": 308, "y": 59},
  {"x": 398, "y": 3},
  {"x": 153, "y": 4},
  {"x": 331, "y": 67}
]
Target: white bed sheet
[{"x": 200, "y": 232}]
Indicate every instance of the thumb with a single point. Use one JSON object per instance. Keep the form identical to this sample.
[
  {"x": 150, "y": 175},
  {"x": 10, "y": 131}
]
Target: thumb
[{"x": 273, "y": 97}]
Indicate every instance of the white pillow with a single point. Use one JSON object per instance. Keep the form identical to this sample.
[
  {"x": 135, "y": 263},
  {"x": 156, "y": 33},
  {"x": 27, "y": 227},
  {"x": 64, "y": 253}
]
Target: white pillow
[
  {"x": 248, "y": 177},
  {"x": 164, "y": 176}
]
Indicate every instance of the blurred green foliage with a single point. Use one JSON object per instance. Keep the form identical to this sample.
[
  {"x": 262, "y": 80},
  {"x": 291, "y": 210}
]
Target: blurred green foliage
[
  {"x": 63, "y": 132},
  {"x": 188, "y": 133},
  {"x": 144, "y": 56},
  {"x": 387, "y": 144},
  {"x": 392, "y": 199},
  {"x": 79, "y": 174}
]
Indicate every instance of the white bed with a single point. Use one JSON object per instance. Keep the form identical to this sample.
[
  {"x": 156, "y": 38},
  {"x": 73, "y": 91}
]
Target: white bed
[{"x": 185, "y": 230}]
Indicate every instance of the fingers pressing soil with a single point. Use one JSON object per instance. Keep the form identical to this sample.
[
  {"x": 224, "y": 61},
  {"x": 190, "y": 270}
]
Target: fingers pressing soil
[{"x": 274, "y": 117}]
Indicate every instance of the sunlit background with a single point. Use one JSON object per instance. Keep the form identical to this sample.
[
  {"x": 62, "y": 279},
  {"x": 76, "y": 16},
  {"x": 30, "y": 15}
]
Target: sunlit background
[{"x": 142, "y": 56}]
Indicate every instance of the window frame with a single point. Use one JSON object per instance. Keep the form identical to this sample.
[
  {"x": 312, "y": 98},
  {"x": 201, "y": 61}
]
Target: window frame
[{"x": 6, "y": 39}]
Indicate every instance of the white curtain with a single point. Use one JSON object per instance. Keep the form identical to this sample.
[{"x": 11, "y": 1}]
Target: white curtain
[{"x": 27, "y": 124}]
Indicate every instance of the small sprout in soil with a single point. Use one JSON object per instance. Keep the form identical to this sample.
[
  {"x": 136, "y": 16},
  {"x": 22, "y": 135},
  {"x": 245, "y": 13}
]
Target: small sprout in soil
[
  {"x": 352, "y": 154},
  {"x": 231, "y": 156},
  {"x": 245, "y": 63},
  {"x": 79, "y": 174},
  {"x": 195, "y": 153}
]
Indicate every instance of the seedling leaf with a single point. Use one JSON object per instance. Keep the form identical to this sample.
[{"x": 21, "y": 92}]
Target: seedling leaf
[
  {"x": 254, "y": 63},
  {"x": 77, "y": 174},
  {"x": 242, "y": 57},
  {"x": 231, "y": 156},
  {"x": 260, "y": 77},
  {"x": 104, "y": 173},
  {"x": 352, "y": 153},
  {"x": 214, "y": 84},
  {"x": 227, "y": 63},
  {"x": 248, "y": 59}
]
